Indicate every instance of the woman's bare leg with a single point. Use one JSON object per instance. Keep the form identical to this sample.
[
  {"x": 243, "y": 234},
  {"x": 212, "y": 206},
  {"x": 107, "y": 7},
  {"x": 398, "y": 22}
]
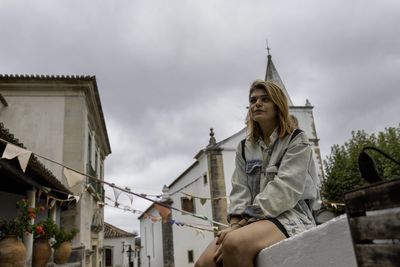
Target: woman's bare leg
[
  {"x": 240, "y": 247},
  {"x": 207, "y": 258}
]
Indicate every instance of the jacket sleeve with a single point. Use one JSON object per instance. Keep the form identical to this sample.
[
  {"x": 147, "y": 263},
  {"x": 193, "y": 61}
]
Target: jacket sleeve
[
  {"x": 287, "y": 187},
  {"x": 240, "y": 196}
]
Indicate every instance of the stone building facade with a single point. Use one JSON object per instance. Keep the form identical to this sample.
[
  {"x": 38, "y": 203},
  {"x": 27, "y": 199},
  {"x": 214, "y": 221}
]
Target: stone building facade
[{"x": 61, "y": 118}]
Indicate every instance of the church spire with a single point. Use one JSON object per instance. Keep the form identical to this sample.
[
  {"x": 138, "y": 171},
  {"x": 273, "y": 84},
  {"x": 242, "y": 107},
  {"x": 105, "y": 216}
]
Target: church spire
[{"x": 272, "y": 75}]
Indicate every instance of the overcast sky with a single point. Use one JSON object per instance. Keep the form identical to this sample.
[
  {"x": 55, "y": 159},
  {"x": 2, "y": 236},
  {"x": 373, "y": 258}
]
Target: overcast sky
[{"x": 167, "y": 71}]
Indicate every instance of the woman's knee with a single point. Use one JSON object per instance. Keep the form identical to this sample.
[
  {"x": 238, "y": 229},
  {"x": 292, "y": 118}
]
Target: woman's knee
[
  {"x": 204, "y": 262},
  {"x": 233, "y": 243}
]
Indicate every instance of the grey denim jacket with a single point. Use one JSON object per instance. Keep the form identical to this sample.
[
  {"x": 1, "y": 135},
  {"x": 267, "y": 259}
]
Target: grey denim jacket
[{"x": 261, "y": 190}]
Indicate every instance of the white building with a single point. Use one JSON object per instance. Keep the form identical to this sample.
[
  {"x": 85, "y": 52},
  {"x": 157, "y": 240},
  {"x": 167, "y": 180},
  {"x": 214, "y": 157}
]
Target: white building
[
  {"x": 61, "y": 118},
  {"x": 164, "y": 244},
  {"x": 120, "y": 248}
]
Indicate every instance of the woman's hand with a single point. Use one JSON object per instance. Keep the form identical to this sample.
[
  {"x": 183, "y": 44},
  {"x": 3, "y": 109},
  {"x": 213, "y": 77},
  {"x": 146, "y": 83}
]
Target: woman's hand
[
  {"x": 220, "y": 237},
  {"x": 236, "y": 223}
]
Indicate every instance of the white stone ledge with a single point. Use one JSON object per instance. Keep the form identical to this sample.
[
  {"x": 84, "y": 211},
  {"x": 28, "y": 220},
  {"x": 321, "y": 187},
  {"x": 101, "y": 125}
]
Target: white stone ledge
[{"x": 327, "y": 245}]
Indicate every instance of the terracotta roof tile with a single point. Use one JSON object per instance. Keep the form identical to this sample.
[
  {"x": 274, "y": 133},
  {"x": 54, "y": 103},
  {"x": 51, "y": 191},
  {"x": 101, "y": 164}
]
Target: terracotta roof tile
[{"x": 111, "y": 231}]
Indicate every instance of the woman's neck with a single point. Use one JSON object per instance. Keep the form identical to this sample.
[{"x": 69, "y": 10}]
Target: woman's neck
[{"x": 267, "y": 131}]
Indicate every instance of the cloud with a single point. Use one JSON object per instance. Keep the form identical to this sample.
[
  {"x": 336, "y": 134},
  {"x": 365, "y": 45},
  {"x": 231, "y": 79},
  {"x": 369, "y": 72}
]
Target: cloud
[{"x": 167, "y": 71}]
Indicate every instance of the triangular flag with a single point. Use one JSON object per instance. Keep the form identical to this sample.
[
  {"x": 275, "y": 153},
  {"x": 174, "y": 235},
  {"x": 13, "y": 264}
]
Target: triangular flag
[
  {"x": 77, "y": 198},
  {"x": 203, "y": 201},
  {"x": 117, "y": 192},
  {"x": 46, "y": 189},
  {"x": 200, "y": 232},
  {"x": 13, "y": 151},
  {"x": 73, "y": 178},
  {"x": 163, "y": 211},
  {"x": 52, "y": 203},
  {"x": 130, "y": 196}
]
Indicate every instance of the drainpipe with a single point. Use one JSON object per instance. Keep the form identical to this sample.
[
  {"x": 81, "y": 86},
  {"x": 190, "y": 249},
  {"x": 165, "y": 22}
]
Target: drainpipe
[{"x": 28, "y": 238}]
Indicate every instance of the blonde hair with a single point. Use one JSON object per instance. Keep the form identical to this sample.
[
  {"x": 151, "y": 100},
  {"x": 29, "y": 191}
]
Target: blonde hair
[{"x": 278, "y": 98}]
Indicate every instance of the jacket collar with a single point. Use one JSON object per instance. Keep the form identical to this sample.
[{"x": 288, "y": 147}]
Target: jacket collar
[{"x": 272, "y": 139}]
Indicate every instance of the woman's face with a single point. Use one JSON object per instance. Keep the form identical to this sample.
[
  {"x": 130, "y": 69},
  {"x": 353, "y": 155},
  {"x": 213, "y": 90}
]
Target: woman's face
[{"x": 262, "y": 109}]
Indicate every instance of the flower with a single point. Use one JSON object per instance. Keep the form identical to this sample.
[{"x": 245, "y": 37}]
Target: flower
[
  {"x": 45, "y": 229},
  {"x": 39, "y": 230},
  {"x": 21, "y": 223}
]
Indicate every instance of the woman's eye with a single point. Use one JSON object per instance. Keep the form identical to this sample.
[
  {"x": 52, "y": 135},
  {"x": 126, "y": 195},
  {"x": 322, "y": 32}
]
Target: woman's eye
[
  {"x": 253, "y": 100},
  {"x": 264, "y": 99}
]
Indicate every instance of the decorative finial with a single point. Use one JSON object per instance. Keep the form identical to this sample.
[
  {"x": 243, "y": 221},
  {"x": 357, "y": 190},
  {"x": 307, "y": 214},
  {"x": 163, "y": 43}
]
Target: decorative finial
[
  {"x": 308, "y": 103},
  {"x": 212, "y": 140},
  {"x": 165, "y": 193},
  {"x": 268, "y": 49}
]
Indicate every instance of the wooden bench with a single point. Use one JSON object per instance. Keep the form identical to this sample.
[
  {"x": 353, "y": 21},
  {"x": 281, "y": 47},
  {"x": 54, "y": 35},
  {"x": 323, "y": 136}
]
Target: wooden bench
[{"x": 373, "y": 214}]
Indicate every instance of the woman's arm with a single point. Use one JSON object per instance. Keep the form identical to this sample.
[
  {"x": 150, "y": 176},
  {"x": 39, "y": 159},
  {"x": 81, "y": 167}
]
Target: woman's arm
[
  {"x": 287, "y": 187},
  {"x": 240, "y": 196}
]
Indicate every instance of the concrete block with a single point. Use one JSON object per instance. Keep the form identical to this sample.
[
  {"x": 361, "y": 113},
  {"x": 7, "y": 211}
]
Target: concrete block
[{"x": 327, "y": 245}]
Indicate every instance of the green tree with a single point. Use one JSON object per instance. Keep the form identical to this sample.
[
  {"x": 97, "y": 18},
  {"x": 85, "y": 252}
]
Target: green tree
[{"x": 341, "y": 166}]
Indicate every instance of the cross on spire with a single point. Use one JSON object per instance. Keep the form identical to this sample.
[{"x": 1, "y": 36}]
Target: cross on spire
[{"x": 268, "y": 49}]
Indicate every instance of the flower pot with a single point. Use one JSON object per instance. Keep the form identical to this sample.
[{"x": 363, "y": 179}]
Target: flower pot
[
  {"x": 12, "y": 252},
  {"x": 41, "y": 253},
  {"x": 62, "y": 253}
]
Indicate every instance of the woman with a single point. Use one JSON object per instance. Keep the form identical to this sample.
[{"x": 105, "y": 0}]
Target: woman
[{"x": 274, "y": 185}]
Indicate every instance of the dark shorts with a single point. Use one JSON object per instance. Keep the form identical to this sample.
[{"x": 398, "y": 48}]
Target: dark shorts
[{"x": 279, "y": 225}]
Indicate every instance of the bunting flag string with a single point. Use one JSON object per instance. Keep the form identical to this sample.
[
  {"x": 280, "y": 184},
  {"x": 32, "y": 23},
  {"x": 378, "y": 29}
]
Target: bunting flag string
[
  {"x": 143, "y": 196},
  {"x": 11, "y": 151},
  {"x": 205, "y": 198},
  {"x": 185, "y": 186},
  {"x": 214, "y": 229}
]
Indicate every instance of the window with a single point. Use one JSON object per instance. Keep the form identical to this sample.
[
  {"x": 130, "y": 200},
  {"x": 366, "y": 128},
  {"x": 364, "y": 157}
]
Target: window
[
  {"x": 89, "y": 153},
  {"x": 188, "y": 204},
  {"x": 95, "y": 163},
  {"x": 108, "y": 257},
  {"x": 205, "y": 179},
  {"x": 190, "y": 256}
]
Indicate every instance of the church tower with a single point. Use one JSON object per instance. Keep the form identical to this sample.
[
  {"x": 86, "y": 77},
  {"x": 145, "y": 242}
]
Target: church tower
[{"x": 303, "y": 114}]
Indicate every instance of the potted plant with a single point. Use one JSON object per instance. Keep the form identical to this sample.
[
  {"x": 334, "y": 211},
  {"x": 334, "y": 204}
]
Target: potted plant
[
  {"x": 62, "y": 245},
  {"x": 43, "y": 231},
  {"x": 12, "y": 250}
]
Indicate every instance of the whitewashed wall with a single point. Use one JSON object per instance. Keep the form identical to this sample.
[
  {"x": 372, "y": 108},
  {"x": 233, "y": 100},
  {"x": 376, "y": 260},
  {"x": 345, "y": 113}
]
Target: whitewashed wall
[
  {"x": 38, "y": 122},
  {"x": 186, "y": 238},
  {"x": 151, "y": 241},
  {"x": 120, "y": 259}
]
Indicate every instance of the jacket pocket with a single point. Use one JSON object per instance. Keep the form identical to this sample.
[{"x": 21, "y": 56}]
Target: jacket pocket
[{"x": 253, "y": 172}]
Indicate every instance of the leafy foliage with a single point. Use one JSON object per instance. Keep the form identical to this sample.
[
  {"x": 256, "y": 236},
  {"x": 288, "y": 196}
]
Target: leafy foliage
[
  {"x": 63, "y": 236},
  {"x": 21, "y": 223},
  {"x": 45, "y": 229},
  {"x": 341, "y": 166}
]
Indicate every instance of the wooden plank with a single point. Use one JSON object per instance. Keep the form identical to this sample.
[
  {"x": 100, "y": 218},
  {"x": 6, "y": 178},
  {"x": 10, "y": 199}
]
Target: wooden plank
[
  {"x": 374, "y": 197},
  {"x": 373, "y": 255},
  {"x": 385, "y": 226}
]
